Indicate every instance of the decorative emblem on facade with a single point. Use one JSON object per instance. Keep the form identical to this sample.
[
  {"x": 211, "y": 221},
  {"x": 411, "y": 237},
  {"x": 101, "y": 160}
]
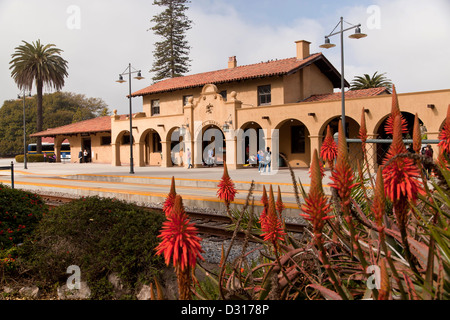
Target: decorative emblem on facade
[{"x": 209, "y": 108}]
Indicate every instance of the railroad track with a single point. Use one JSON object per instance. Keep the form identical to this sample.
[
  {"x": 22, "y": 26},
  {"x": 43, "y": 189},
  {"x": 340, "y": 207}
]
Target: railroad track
[{"x": 208, "y": 225}]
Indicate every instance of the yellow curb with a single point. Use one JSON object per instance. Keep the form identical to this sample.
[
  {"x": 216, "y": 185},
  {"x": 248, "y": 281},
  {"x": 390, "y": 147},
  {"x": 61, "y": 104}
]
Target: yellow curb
[{"x": 121, "y": 191}]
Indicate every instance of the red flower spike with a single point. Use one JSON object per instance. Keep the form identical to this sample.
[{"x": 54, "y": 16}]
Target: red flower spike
[
  {"x": 363, "y": 131},
  {"x": 389, "y": 128},
  {"x": 265, "y": 202},
  {"x": 379, "y": 200},
  {"x": 226, "y": 191},
  {"x": 180, "y": 242},
  {"x": 363, "y": 128},
  {"x": 316, "y": 205},
  {"x": 279, "y": 204},
  {"x": 328, "y": 151},
  {"x": 444, "y": 135},
  {"x": 342, "y": 175},
  {"x": 417, "y": 137},
  {"x": 401, "y": 176},
  {"x": 170, "y": 199},
  {"x": 273, "y": 229}
]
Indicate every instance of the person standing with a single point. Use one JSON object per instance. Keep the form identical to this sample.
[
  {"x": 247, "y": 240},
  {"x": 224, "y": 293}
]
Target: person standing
[
  {"x": 80, "y": 156},
  {"x": 267, "y": 159},
  {"x": 189, "y": 155},
  {"x": 260, "y": 160},
  {"x": 85, "y": 156},
  {"x": 210, "y": 157}
]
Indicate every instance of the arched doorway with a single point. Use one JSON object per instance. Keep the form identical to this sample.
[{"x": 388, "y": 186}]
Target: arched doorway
[
  {"x": 294, "y": 143},
  {"x": 250, "y": 140},
  {"x": 382, "y": 148},
  {"x": 213, "y": 146},
  {"x": 151, "y": 148},
  {"x": 177, "y": 147},
  {"x": 352, "y": 132},
  {"x": 122, "y": 153}
]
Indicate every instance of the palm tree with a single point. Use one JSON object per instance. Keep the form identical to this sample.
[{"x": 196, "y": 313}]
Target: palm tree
[
  {"x": 39, "y": 64},
  {"x": 367, "y": 81}
]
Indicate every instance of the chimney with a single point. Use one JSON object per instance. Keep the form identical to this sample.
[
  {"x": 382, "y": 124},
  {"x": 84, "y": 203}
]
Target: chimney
[
  {"x": 232, "y": 62},
  {"x": 302, "y": 49}
]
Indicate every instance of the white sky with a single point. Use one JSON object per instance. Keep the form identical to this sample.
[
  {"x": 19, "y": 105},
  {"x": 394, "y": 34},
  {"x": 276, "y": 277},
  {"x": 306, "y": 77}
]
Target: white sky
[{"x": 407, "y": 39}]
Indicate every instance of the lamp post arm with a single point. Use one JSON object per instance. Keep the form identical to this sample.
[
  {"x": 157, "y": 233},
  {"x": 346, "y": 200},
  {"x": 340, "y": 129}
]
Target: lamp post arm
[{"x": 343, "y": 30}]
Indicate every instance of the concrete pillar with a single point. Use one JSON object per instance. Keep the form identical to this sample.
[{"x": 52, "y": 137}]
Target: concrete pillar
[
  {"x": 166, "y": 160},
  {"x": 115, "y": 154},
  {"x": 141, "y": 154},
  {"x": 315, "y": 143},
  {"x": 231, "y": 145}
]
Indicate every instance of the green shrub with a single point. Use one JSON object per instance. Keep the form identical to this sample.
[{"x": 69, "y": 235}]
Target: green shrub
[
  {"x": 101, "y": 236},
  {"x": 30, "y": 158},
  {"x": 20, "y": 211}
]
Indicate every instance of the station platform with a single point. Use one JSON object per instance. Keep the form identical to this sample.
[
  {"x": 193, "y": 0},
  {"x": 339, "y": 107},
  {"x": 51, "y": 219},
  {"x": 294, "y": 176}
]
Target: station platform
[{"x": 150, "y": 185}]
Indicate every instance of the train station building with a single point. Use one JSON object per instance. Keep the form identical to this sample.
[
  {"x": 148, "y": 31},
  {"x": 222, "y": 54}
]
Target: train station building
[{"x": 284, "y": 104}]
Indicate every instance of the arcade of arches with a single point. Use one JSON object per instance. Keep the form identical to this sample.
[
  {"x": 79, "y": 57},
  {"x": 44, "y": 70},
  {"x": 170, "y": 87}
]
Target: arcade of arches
[{"x": 235, "y": 132}]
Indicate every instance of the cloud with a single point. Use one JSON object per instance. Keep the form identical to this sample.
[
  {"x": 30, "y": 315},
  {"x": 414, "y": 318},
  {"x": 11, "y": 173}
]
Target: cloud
[
  {"x": 409, "y": 44},
  {"x": 222, "y": 32}
]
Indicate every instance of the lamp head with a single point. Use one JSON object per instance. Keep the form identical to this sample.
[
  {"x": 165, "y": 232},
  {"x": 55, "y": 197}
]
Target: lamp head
[
  {"x": 357, "y": 34},
  {"x": 139, "y": 76},
  {"x": 327, "y": 44},
  {"x": 120, "y": 79}
]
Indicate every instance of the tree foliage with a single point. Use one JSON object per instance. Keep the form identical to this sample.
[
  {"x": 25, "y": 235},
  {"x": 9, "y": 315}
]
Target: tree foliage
[
  {"x": 59, "y": 109},
  {"x": 375, "y": 81},
  {"x": 171, "y": 55},
  {"x": 42, "y": 65}
]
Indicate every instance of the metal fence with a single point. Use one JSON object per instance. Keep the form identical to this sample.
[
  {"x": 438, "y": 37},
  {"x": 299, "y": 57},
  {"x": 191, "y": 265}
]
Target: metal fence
[
  {"x": 11, "y": 167},
  {"x": 376, "y": 150}
]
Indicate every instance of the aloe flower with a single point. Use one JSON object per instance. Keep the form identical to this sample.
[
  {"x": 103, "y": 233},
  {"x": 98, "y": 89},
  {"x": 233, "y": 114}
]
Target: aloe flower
[
  {"x": 401, "y": 183},
  {"x": 379, "y": 201},
  {"x": 170, "y": 199},
  {"x": 417, "y": 136},
  {"x": 265, "y": 203},
  {"x": 343, "y": 183},
  {"x": 363, "y": 130},
  {"x": 395, "y": 111},
  {"x": 342, "y": 175},
  {"x": 180, "y": 242},
  {"x": 226, "y": 191},
  {"x": 401, "y": 175},
  {"x": 279, "y": 204},
  {"x": 328, "y": 151},
  {"x": 272, "y": 226},
  {"x": 444, "y": 135},
  {"x": 316, "y": 205}
]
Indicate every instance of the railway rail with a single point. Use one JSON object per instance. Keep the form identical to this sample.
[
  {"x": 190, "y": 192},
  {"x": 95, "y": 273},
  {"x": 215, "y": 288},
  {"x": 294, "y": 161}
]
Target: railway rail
[{"x": 214, "y": 225}]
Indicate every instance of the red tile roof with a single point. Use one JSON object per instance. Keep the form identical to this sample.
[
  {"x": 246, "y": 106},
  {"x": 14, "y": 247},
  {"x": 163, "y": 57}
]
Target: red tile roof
[
  {"x": 51, "y": 140},
  {"x": 348, "y": 95},
  {"x": 259, "y": 70},
  {"x": 100, "y": 124}
]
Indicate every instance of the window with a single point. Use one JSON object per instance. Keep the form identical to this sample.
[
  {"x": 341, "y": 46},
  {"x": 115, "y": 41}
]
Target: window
[
  {"x": 298, "y": 139},
  {"x": 106, "y": 140},
  {"x": 186, "y": 99},
  {"x": 155, "y": 107},
  {"x": 126, "y": 139},
  {"x": 224, "y": 95},
  {"x": 264, "y": 95}
]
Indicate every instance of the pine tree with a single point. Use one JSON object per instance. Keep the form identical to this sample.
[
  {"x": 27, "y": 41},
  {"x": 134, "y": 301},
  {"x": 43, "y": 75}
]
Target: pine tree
[{"x": 172, "y": 53}]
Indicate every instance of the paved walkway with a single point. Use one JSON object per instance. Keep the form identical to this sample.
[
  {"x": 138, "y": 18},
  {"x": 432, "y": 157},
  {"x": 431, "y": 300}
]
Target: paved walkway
[{"x": 198, "y": 186}]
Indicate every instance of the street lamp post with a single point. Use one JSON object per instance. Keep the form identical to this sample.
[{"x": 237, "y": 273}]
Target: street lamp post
[
  {"x": 23, "y": 97},
  {"x": 327, "y": 45},
  {"x": 130, "y": 70}
]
